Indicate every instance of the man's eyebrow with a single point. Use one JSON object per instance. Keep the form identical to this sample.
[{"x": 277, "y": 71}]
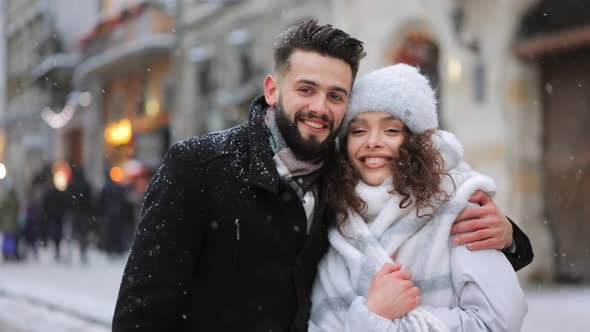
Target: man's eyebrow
[
  {"x": 343, "y": 90},
  {"x": 316, "y": 84}
]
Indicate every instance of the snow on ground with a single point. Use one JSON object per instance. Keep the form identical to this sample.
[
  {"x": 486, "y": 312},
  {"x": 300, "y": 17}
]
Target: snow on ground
[
  {"x": 19, "y": 315},
  {"x": 85, "y": 293},
  {"x": 553, "y": 308}
]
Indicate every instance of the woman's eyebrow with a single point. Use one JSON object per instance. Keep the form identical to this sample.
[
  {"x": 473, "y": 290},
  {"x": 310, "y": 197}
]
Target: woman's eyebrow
[{"x": 358, "y": 120}]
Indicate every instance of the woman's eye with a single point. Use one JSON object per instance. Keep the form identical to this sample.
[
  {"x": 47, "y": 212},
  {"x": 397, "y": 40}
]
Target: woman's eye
[
  {"x": 392, "y": 130},
  {"x": 357, "y": 131}
]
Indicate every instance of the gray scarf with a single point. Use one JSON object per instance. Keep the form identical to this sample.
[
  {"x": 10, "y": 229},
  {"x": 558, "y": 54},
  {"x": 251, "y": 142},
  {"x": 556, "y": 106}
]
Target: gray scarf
[{"x": 301, "y": 175}]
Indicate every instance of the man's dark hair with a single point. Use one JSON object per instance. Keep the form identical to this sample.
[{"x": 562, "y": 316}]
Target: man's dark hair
[{"x": 323, "y": 39}]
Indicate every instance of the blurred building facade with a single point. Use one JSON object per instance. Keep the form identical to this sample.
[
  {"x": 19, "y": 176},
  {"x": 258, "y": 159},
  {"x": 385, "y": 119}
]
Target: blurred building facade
[
  {"x": 224, "y": 53},
  {"x": 2, "y": 79},
  {"x": 510, "y": 77},
  {"x": 41, "y": 38},
  {"x": 27, "y": 140},
  {"x": 554, "y": 40},
  {"x": 126, "y": 68}
]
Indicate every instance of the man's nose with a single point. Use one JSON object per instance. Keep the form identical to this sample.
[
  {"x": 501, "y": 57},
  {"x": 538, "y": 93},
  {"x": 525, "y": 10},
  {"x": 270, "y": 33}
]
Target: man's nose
[{"x": 319, "y": 105}]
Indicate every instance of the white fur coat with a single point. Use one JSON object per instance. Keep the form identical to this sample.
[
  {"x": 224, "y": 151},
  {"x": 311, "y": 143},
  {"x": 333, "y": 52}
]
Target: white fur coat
[{"x": 422, "y": 245}]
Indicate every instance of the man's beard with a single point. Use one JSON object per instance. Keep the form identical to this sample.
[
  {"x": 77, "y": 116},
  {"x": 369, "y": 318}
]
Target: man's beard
[{"x": 304, "y": 148}]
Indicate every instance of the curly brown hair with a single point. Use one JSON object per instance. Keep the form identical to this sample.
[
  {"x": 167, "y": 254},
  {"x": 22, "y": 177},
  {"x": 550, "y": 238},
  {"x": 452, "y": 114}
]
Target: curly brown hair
[{"x": 417, "y": 177}]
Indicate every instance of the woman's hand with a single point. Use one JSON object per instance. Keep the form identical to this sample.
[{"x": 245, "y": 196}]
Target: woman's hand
[{"x": 392, "y": 294}]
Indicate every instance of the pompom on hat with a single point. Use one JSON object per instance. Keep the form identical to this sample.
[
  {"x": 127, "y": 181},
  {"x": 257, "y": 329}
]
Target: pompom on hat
[{"x": 400, "y": 90}]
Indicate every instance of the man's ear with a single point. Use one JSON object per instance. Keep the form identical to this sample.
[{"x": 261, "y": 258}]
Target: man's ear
[{"x": 271, "y": 90}]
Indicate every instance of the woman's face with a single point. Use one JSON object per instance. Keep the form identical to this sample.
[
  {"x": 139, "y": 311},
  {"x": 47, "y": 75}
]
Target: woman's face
[{"x": 373, "y": 143}]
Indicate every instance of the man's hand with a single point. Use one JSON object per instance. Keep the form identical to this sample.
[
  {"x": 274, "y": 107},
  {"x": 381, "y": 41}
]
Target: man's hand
[
  {"x": 392, "y": 294},
  {"x": 482, "y": 227}
]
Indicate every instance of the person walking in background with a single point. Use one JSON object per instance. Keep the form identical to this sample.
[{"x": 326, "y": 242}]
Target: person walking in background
[
  {"x": 33, "y": 221},
  {"x": 115, "y": 212},
  {"x": 54, "y": 205},
  {"x": 9, "y": 210},
  {"x": 79, "y": 195}
]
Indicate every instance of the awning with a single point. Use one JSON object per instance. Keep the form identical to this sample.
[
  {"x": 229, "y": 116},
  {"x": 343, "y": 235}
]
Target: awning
[{"x": 553, "y": 42}]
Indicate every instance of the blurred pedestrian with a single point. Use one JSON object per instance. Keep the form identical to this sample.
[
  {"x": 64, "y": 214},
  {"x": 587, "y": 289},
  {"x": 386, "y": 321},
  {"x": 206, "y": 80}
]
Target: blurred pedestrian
[
  {"x": 79, "y": 209},
  {"x": 115, "y": 211},
  {"x": 53, "y": 205},
  {"x": 9, "y": 208},
  {"x": 33, "y": 221}
]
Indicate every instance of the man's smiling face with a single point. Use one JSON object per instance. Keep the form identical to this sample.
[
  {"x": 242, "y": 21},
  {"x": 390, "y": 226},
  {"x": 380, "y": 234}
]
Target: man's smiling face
[{"x": 310, "y": 97}]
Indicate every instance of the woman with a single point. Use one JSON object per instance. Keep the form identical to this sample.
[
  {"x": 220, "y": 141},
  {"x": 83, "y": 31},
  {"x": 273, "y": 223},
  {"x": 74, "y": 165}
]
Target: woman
[{"x": 398, "y": 186}]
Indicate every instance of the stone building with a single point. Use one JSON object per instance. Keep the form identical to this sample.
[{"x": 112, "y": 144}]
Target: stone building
[
  {"x": 224, "y": 51},
  {"x": 2, "y": 86},
  {"x": 26, "y": 138},
  {"x": 40, "y": 101},
  {"x": 125, "y": 67}
]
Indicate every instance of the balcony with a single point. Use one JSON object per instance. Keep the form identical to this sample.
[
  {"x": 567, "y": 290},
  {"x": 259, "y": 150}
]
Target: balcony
[
  {"x": 129, "y": 38},
  {"x": 62, "y": 64}
]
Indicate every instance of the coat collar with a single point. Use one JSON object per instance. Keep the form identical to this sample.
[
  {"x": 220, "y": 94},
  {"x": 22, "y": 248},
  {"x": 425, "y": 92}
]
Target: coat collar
[
  {"x": 262, "y": 170},
  {"x": 263, "y": 173}
]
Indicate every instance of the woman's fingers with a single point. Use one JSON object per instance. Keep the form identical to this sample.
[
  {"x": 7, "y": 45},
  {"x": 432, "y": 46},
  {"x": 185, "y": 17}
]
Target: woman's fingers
[{"x": 387, "y": 268}]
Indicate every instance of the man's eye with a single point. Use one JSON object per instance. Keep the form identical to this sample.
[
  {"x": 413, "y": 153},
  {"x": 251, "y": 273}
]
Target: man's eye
[
  {"x": 337, "y": 97},
  {"x": 305, "y": 90}
]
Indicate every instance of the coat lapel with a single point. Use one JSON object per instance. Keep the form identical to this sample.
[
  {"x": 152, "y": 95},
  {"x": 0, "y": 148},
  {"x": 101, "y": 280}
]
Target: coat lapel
[{"x": 261, "y": 171}]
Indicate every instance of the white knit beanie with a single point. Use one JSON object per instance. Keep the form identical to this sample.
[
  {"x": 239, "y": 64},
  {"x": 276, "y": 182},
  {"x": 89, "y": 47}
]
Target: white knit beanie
[{"x": 400, "y": 90}]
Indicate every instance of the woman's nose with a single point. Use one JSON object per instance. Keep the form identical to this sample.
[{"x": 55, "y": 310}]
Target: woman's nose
[{"x": 374, "y": 140}]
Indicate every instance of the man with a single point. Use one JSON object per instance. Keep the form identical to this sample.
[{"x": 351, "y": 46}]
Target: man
[{"x": 232, "y": 227}]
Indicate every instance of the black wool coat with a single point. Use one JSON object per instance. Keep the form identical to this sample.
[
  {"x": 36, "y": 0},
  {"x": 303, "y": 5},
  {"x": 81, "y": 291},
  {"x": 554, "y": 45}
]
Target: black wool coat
[{"x": 222, "y": 244}]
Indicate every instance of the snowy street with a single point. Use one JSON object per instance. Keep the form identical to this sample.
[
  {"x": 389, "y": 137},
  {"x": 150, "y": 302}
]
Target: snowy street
[
  {"x": 46, "y": 296},
  {"x": 49, "y": 296}
]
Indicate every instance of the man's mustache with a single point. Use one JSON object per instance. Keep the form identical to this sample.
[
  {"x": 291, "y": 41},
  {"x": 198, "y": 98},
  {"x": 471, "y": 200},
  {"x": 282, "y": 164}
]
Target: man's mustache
[{"x": 311, "y": 115}]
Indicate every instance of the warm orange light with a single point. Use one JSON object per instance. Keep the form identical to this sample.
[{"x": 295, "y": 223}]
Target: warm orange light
[
  {"x": 62, "y": 174},
  {"x": 118, "y": 133},
  {"x": 116, "y": 174}
]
